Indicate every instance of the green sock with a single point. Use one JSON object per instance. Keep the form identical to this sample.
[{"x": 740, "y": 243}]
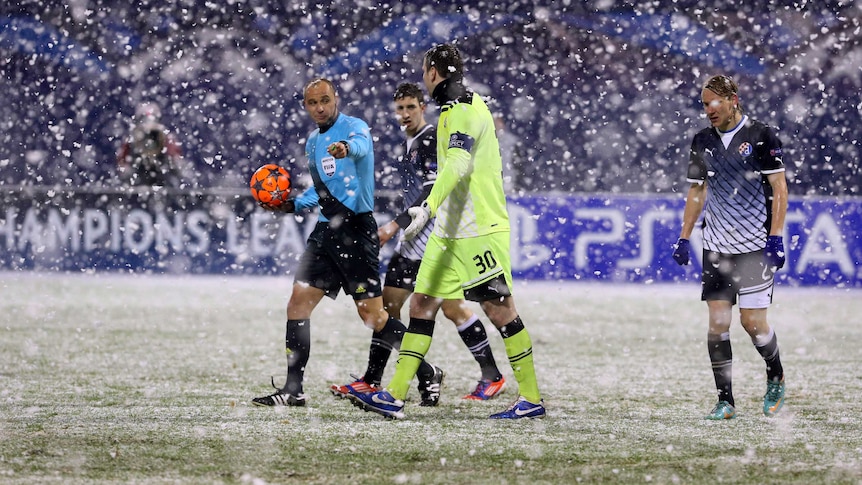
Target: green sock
[
  {"x": 519, "y": 349},
  {"x": 414, "y": 346}
]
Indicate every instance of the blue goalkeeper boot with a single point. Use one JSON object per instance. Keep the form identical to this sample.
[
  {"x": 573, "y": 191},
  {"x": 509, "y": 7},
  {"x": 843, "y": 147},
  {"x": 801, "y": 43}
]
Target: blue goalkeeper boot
[
  {"x": 522, "y": 409},
  {"x": 380, "y": 402}
]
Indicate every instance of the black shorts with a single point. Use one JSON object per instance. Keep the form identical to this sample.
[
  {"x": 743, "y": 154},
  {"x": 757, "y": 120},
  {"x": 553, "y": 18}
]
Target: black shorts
[
  {"x": 401, "y": 272},
  {"x": 727, "y": 275},
  {"x": 343, "y": 255}
]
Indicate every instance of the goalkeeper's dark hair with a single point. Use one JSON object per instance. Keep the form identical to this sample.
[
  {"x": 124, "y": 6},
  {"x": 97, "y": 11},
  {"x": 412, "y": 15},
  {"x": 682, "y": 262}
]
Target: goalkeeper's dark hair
[
  {"x": 447, "y": 60},
  {"x": 409, "y": 90}
]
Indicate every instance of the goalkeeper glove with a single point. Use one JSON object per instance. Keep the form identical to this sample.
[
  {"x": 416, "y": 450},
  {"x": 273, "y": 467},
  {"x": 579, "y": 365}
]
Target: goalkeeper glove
[
  {"x": 420, "y": 216},
  {"x": 681, "y": 252},
  {"x": 774, "y": 253}
]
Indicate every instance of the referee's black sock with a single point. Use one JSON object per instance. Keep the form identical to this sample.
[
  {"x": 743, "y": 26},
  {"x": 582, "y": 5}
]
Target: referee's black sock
[
  {"x": 382, "y": 345},
  {"x": 297, "y": 343}
]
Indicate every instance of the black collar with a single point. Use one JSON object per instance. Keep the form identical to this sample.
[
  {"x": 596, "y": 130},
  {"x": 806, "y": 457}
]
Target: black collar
[
  {"x": 448, "y": 90},
  {"x": 326, "y": 126}
]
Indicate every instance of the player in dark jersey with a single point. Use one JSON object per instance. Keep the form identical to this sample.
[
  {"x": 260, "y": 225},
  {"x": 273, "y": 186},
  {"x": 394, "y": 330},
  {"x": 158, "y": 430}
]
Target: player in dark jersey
[
  {"x": 343, "y": 249},
  {"x": 736, "y": 172},
  {"x": 417, "y": 170}
]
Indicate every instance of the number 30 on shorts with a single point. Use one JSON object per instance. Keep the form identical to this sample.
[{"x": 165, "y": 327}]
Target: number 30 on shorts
[{"x": 485, "y": 261}]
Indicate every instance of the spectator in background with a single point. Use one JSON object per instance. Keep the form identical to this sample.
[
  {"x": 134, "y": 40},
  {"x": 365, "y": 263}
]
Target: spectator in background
[{"x": 151, "y": 155}]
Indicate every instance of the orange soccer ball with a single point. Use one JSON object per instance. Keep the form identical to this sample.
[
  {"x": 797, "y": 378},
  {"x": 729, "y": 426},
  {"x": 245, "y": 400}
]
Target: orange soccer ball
[{"x": 270, "y": 185}]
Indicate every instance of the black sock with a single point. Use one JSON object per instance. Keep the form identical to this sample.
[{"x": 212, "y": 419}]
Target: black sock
[
  {"x": 512, "y": 327},
  {"x": 297, "y": 342},
  {"x": 476, "y": 339},
  {"x": 382, "y": 345},
  {"x": 770, "y": 354},
  {"x": 721, "y": 356}
]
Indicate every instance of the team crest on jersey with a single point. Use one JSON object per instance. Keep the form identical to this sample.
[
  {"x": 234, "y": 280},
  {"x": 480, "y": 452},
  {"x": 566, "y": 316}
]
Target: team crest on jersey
[{"x": 745, "y": 149}]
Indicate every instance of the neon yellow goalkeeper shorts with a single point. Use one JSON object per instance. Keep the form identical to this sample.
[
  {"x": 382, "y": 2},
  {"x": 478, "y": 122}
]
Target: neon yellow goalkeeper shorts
[{"x": 475, "y": 268}]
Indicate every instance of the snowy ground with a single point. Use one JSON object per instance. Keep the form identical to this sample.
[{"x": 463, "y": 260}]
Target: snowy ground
[{"x": 107, "y": 378}]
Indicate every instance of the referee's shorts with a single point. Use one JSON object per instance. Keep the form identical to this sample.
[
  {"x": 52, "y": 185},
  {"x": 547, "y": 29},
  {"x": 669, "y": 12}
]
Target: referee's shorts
[{"x": 343, "y": 254}]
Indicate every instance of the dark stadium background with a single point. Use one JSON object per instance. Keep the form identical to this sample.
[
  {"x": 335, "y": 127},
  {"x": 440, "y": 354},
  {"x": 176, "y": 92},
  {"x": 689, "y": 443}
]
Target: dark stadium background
[{"x": 603, "y": 96}]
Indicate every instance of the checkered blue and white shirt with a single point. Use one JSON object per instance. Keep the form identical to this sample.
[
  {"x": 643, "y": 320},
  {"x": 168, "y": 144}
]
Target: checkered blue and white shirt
[{"x": 734, "y": 166}]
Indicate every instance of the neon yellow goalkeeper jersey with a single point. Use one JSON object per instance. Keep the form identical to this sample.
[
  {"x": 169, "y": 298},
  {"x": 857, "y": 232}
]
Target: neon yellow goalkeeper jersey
[{"x": 468, "y": 198}]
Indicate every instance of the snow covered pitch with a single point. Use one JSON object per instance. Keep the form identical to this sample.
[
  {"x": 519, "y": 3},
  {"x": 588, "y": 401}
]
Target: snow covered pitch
[{"x": 147, "y": 379}]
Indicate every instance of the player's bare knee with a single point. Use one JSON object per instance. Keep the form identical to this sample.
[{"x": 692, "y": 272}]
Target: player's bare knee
[
  {"x": 754, "y": 322},
  {"x": 375, "y": 322},
  {"x": 457, "y": 311},
  {"x": 501, "y": 311}
]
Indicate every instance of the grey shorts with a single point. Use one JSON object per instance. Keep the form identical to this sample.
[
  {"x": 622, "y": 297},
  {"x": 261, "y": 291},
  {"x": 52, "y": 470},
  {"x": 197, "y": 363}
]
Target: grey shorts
[{"x": 743, "y": 276}]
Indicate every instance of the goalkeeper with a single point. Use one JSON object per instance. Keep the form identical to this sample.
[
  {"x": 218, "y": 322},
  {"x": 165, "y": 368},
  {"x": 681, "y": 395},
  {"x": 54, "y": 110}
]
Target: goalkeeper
[
  {"x": 417, "y": 170},
  {"x": 467, "y": 255}
]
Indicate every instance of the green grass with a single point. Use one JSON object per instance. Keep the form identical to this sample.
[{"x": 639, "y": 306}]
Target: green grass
[{"x": 120, "y": 379}]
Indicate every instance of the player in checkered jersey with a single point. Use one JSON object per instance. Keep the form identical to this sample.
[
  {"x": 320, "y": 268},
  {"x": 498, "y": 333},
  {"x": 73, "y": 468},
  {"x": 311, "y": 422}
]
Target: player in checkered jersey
[
  {"x": 737, "y": 180},
  {"x": 417, "y": 171}
]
